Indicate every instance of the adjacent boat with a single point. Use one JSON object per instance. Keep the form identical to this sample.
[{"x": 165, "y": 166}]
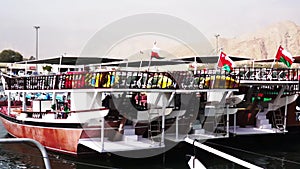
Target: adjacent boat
[
  {"x": 269, "y": 103},
  {"x": 122, "y": 111},
  {"x": 105, "y": 111}
]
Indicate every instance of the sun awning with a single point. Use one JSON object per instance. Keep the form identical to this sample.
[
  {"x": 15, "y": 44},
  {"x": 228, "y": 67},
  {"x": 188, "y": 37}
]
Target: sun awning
[
  {"x": 144, "y": 63},
  {"x": 297, "y": 60},
  {"x": 72, "y": 60},
  {"x": 209, "y": 59}
]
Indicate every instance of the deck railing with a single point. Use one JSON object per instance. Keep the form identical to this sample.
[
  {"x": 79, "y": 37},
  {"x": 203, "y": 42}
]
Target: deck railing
[
  {"x": 121, "y": 79},
  {"x": 217, "y": 78},
  {"x": 266, "y": 74},
  {"x": 206, "y": 78}
]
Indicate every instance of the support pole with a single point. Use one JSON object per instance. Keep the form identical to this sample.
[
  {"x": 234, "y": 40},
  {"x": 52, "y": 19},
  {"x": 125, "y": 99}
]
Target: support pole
[
  {"x": 9, "y": 103},
  {"x": 221, "y": 154},
  {"x": 162, "y": 142},
  {"x": 176, "y": 126},
  {"x": 93, "y": 99},
  {"x": 60, "y": 61},
  {"x": 163, "y": 119},
  {"x": 37, "y": 43},
  {"x": 24, "y": 102},
  {"x": 102, "y": 134},
  {"x": 285, "y": 112},
  {"x": 227, "y": 120},
  {"x": 54, "y": 98},
  {"x": 54, "y": 102},
  {"x": 195, "y": 65},
  {"x": 234, "y": 123}
]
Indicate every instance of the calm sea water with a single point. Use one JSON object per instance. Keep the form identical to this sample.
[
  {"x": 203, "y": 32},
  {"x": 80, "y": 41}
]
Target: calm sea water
[{"x": 275, "y": 152}]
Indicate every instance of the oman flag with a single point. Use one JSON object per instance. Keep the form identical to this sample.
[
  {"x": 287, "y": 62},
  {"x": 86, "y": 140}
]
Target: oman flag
[
  {"x": 225, "y": 62},
  {"x": 284, "y": 56},
  {"x": 155, "y": 52}
]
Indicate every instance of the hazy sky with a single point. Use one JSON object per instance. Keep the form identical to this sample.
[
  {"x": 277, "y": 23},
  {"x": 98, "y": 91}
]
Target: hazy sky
[{"x": 66, "y": 25}]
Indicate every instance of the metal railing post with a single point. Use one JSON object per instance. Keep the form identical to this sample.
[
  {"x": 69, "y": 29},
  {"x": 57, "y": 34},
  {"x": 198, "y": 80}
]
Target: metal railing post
[{"x": 36, "y": 143}]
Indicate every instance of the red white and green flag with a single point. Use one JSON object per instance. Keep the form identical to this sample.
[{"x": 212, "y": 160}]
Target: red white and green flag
[
  {"x": 155, "y": 52},
  {"x": 225, "y": 62},
  {"x": 284, "y": 56}
]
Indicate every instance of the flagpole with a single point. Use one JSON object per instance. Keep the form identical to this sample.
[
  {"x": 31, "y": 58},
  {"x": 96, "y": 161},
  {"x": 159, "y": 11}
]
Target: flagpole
[
  {"x": 195, "y": 66},
  {"x": 275, "y": 59},
  {"x": 218, "y": 59},
  {"x": 149, "y": 63},
  {"x": 213, "y": 82},
  {"x": 126, "y": 63},
  {"x": 140, "y": 53},
  {"x": 151, "y": 55},
  {"x": 140, "y": 65},
  {"x": 273, "y": 63}
]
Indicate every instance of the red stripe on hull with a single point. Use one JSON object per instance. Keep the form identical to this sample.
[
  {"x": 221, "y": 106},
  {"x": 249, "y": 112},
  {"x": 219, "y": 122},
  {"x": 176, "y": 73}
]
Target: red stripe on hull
[{"x": 63, "y": 140}]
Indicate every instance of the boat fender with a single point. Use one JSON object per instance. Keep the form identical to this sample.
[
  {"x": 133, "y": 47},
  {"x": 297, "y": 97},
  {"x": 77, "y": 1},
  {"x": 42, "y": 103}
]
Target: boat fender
[
  {"x": 97, "y": 79},
  {"x": 88, "y": 79},
  {"x": 107, "y": 81},
  {"x": 249, "y": 117},
  {"x": 164, "y": 82},
  {"x": 112, "y": 81},
  {"x": 67, "y": 82},
  {"x": 81, "y": 81}
]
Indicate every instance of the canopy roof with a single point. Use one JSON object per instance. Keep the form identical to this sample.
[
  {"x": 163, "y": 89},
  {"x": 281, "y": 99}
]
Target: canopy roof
[
  {"x": 297, "y": 60},
  {"x": 144, "y": 63},
  {"x": 175, "y": 61},
  {"x": 72, "y": 60},
  {"x": 210, "y": 59}
]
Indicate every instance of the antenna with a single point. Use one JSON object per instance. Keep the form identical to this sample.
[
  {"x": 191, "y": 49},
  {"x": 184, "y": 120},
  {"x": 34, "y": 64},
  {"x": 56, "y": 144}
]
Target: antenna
[{"x": 217, "y": 43}]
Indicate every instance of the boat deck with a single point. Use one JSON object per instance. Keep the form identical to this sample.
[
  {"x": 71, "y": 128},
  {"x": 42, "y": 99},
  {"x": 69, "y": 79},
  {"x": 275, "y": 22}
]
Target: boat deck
[
  {"x": 119, "y": 146},
  {"x": 252, "y": 130},
  {"x": 181, "y": 137}
]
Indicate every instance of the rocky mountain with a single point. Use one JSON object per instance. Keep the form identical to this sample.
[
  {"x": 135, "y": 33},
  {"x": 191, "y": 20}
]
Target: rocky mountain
[
  {"x": 264, "y": 43},
  {"x": 261, "y": 44}
]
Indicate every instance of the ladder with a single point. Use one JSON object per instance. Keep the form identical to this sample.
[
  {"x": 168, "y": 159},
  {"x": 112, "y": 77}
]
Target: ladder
[
  {"x": 278, "y": 119},
  {"x": 220, "y": 126},
  {"x": 154, "y": 127}
]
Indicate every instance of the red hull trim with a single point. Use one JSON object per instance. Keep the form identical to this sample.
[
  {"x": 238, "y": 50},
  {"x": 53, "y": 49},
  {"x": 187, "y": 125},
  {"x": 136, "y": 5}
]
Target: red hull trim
[{"x": 63, "y": 140}]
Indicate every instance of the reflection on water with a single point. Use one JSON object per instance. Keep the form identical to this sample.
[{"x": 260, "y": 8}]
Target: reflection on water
[
  {"x": 276, "y": 152},
  {"x": 8, "y": 160}
]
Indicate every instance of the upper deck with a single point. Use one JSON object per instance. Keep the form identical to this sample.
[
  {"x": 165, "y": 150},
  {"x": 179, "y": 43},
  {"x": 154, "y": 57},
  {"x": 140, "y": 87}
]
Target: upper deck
[
  {"x": 207, "y": 79},
  {"x": 119, "y": 81}
]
